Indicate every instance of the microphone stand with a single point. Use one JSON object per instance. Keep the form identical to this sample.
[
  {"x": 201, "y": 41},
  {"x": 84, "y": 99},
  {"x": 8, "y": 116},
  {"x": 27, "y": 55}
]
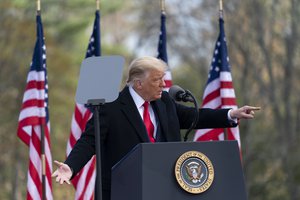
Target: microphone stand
[{"x": 193, "y": 125}]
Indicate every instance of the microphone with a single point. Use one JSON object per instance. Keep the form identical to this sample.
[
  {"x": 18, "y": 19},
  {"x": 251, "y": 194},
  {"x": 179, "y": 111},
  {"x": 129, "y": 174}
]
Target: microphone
[{"x": 179, "y": 94}]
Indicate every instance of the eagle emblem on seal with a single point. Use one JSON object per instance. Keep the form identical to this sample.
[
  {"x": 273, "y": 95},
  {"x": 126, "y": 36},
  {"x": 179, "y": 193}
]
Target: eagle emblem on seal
[{"x": 194, "y": 172}]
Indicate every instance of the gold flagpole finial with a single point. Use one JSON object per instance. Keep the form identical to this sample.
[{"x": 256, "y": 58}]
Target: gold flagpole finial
[
  {"x": 221, "y": 8},
  {"x": 98, "y": 4},
  {"x": 162, "y": 5},
  {"x": 38, "y": 5},
  {"x": 221, "y": 4}
]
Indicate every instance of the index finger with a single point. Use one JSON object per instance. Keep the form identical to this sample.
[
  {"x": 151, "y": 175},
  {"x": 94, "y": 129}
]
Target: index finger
[{"x": 253, "y": 108}]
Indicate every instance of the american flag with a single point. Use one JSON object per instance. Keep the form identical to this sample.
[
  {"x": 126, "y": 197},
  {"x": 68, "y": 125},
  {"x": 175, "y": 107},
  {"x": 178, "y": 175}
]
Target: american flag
[
  {"x": 84, "y": 181},
  {"x": 34, "y": 124},
  {"x": 162, "y": 49},
  {"x": 219, "y": 91}
]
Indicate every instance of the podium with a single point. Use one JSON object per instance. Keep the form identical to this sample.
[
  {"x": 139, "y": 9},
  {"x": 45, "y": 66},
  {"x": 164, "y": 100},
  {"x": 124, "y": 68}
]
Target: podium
[{"x": 148, "y": 172}]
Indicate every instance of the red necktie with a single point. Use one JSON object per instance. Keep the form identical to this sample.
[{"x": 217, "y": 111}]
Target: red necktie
[{"x": 148, "y": 122}]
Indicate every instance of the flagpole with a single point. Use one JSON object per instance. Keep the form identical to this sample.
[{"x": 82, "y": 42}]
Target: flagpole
[
  {"x": 98, "y": 182},
  {"x": 221, "y": 17},
  {"x": 43, "y": 160}
]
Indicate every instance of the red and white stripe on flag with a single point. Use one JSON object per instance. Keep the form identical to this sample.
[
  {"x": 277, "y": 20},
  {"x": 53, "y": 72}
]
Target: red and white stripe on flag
[
  {"x": 29, "y": 131},
  {"x": 168, "y": 80},
  {"x": 84, "y": 181},
  {"x": 219, "y": 94}
]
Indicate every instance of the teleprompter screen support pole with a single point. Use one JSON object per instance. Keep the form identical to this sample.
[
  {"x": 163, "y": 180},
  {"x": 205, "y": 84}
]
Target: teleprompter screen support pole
[{"x": 95, "y": 106}]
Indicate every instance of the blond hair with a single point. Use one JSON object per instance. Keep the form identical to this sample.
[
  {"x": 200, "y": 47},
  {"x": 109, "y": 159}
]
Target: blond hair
[{"x": 139, "y": 68}]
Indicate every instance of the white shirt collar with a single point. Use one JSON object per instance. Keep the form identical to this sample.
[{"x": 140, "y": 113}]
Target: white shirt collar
[{"x": 138, "y": 100}]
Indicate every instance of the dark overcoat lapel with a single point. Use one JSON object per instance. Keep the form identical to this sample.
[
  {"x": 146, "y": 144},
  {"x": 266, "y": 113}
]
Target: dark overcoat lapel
[
  {"x": 161, "y": 111},
  {"x": 129, "y": 109}
]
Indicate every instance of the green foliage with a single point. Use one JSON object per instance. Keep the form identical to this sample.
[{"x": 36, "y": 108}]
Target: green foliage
[{"x": 263, "y": 45}]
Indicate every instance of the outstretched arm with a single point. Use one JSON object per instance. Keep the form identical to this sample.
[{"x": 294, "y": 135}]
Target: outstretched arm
[{"x": 63, "y": 173}]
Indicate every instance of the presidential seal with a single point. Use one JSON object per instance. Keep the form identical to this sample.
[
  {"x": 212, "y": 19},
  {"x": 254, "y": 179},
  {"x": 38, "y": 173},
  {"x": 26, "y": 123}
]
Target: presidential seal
[{"x": 194, "y": 172}]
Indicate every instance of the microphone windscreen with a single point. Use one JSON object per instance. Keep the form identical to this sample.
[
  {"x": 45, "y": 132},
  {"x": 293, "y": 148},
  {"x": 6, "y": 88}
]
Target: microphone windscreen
[{"x": 175, "y": 92}]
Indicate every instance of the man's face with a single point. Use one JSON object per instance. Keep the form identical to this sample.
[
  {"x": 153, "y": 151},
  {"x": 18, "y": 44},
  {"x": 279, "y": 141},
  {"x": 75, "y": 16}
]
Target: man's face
[{"x": 152, "y": 85}]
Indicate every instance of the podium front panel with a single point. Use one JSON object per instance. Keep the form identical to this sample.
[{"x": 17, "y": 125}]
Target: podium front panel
[{"x": 148, "y": 172}]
